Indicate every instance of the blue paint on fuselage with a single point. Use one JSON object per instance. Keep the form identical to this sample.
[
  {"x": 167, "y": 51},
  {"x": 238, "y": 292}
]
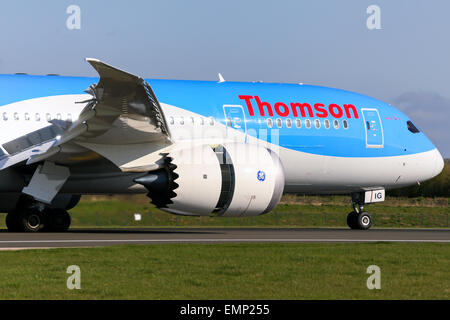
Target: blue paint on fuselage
[{"x": 207, "y": 99}]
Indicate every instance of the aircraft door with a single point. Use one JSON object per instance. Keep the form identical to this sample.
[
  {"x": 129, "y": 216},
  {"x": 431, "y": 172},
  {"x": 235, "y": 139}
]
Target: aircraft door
[
  {"x": 235, "y": 122},
  {"x": 373, "y": 128}
]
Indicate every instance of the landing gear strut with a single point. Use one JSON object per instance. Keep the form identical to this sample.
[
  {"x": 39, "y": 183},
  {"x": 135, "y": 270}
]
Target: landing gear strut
[
  {"x": 358, "y": 218},
  {"x": 38, "y": 218}
]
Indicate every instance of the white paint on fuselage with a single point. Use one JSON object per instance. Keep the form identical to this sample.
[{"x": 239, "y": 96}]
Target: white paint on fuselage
[{"x": 20, "y": 118}]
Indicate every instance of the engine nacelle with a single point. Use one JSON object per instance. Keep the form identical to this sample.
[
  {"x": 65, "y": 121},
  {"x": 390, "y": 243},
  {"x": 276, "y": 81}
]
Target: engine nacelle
[
  {"x": 257, "y": 180},
  {"x": 229, "y": 180}
]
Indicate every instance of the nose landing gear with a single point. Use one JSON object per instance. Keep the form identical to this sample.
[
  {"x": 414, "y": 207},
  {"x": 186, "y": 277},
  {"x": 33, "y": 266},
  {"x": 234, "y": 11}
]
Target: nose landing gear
[{"x": 359, "y": 219}]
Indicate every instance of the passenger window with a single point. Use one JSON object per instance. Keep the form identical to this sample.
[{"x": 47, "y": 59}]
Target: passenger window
[
  {"x": 38, "y": 117},
  {"x": 171, "y": 120},
  {"x": 5, "y": 116},
  {"x": 49, "y": 117},
  {"x": 269, "y": 123},
  {"x": 336, "y": 124},
  {"x": 16, "y": 116},
  {"x": 327, "y": 123},
  {"x": 202, "y": 121},
  {"x": 192, "y": 120},
  {"x": 27, "y": 116},
  {"x": 58, "y": 116},
  {"x": 211, "y": 121},
  {"x": 69, "y": 117},
  {"x": 279, "y": 123},
  {"x": 317, "y": 123},
  {"x": 288, "y": 123},
  {"x": 298, "y": 123},
  {"x": 308, "y": 123},
  {"x": 181, "y": 120},
  {"x": 345, "y": 124}
]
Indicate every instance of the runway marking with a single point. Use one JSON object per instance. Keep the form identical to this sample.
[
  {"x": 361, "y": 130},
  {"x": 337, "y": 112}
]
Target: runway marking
[
  {"x": 24, "y": 248},
  {"x": 217, "y": 240}
]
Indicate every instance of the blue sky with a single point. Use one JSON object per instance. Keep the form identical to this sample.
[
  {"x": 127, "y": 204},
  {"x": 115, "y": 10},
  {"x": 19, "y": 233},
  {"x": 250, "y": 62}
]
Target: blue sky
[{"x": 405, "y": 63}]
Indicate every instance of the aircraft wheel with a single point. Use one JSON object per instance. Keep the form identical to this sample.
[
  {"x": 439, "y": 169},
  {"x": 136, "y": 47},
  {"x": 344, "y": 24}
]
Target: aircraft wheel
[
  {"x": 352, "y": 220},
  {"x": 12, "y": 222},
  {"x": 359, "y": 221},
  {"x": 364, "y": 221},
  {"x": 31, "y": 220},
  {"x": 58, "y": 220}
]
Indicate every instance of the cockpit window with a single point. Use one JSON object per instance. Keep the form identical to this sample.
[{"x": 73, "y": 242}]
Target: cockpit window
[{"x": 412, "y": 127}]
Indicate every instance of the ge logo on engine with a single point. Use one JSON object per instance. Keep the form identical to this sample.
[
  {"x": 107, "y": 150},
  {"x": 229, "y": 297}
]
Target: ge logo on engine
[{"x": 261, "y": 175}]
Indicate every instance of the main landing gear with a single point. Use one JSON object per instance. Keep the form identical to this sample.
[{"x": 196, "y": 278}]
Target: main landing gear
[
  {"x": 36, "y": 218},
  {"x": 359, "y": 219}
]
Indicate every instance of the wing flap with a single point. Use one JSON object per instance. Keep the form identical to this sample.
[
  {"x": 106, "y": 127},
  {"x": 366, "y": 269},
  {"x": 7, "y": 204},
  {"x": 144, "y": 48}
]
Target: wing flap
[
  {"x": 121, "y": 93},
  {"x": 123, "y": 111}
]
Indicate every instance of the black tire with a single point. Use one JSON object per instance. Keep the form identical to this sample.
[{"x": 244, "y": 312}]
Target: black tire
[
  {"x": 12, "y": 222},
  {"x": 31, "y": 220},
  {"x": 364, "y": 221},
  {"x": 352, "y": 218},
  {"x": 58, "y": 220}
]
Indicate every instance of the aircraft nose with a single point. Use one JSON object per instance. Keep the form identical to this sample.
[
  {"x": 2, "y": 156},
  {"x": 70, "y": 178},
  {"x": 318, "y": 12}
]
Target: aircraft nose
[{"x": 438, "y": 163}]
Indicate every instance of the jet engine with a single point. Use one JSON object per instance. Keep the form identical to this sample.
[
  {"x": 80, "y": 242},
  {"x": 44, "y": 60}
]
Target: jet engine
[{"x": 228, "y": 180}]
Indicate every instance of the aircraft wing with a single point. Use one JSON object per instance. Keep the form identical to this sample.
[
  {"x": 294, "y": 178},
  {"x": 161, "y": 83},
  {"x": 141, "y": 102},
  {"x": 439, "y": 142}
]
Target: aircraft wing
[
  {"x": 124, "y": 94},
  {"x": 122, "y": 122}
]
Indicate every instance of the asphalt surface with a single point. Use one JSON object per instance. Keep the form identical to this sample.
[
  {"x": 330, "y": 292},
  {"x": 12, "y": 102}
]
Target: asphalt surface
[{"x": 107, "y": 237}]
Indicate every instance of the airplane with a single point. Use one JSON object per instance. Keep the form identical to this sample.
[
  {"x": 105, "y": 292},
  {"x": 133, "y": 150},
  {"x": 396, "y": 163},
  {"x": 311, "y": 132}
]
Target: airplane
[{"x": 198, "y": 148}]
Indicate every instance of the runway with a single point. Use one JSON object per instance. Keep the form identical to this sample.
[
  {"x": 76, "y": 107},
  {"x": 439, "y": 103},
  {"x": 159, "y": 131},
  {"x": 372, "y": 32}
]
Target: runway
[{"x": 108, "y": 237}]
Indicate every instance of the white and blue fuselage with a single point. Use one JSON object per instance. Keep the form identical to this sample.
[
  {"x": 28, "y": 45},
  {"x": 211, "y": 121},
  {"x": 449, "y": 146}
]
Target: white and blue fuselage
[{"x": 328, "y": 140}]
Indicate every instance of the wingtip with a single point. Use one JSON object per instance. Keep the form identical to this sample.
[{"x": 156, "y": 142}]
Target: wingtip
[{"x": 93, "y": 61}]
